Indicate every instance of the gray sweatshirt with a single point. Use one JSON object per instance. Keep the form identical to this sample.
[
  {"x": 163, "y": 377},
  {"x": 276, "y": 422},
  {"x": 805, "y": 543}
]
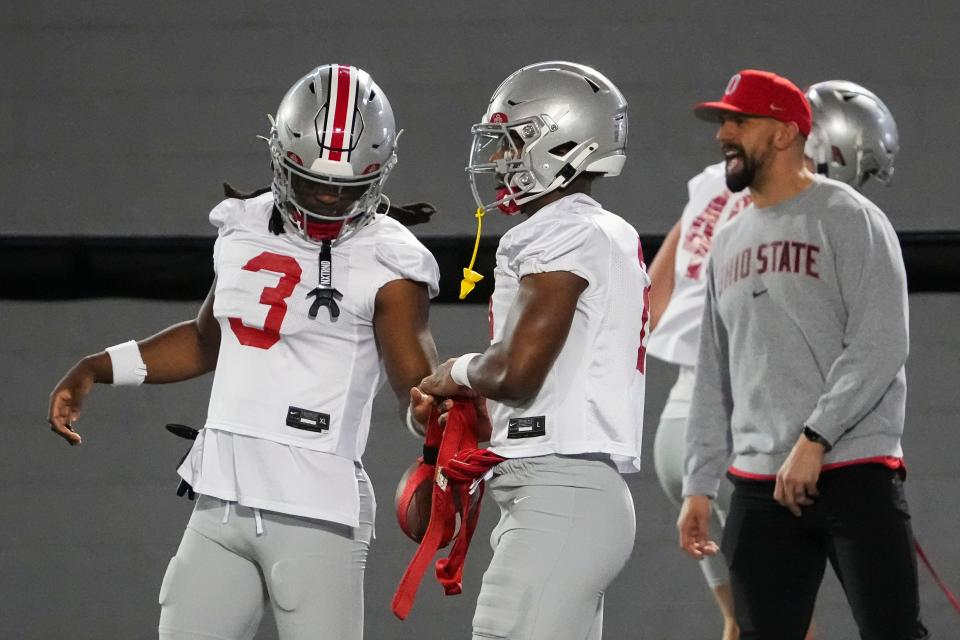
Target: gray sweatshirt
[{"x": 804, "y": 323}]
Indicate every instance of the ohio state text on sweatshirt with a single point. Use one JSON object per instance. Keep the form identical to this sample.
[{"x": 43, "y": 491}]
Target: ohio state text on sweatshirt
[{"x": 805, "y": 323}]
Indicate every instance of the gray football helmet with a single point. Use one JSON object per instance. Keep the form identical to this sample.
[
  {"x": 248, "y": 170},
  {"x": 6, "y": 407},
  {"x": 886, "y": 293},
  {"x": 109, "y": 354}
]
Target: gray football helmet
[
  {"x": 854, "y": 135},
  {"x": 545, "y": 125},
  {"x": 334, "y": 127}
]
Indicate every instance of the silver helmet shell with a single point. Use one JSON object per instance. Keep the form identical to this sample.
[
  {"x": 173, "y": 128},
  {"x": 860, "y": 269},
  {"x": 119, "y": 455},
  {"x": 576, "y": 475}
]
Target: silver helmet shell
[
  {"x": 334, "y": 126},
  {"x": 565, "y": 118},
  {"x": 854, "y": 135}
]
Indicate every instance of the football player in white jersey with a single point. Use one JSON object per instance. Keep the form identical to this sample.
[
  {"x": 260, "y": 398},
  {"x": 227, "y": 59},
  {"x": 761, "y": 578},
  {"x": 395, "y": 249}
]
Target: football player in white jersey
[
  {"x": 563, "y": 374},
  {"x": 854, "y": 138},
  {"x": 316, "y": 294}
]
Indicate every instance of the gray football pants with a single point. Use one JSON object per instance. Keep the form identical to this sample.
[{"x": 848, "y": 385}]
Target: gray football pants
[
  {"x": 669, "y": 448},
  {"x": 224, "y": 574},
  {"x": 566, "y": 530}
]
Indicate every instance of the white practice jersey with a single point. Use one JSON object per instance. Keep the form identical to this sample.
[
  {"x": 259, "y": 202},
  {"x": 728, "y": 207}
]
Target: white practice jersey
[
  {"x": 283, "y": 375},
  {"x": 592, "y": 398},
  {"x": 710, "y": 206},
  {"x": 288, "y": 386}
]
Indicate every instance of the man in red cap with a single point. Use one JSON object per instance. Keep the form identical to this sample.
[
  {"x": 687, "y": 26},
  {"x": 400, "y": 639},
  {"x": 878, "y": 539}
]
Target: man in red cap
[{"x": 800, "y": 377}]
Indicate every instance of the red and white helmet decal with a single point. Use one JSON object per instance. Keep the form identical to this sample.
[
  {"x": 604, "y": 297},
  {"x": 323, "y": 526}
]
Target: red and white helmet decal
[{"x": 340, "y": 115}]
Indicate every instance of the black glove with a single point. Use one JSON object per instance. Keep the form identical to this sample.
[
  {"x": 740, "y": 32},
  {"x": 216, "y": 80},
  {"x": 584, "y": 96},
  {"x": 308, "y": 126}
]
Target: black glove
[
  {"x": 412, "y": 214},
  {"x": 189, "y": 433}
]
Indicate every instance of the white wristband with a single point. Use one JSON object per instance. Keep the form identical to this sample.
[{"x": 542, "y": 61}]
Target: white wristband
[
  {"x": 459, "y": 370},
  {"x": 412, "y": 423},
  {"x": 128, "y": 366}
]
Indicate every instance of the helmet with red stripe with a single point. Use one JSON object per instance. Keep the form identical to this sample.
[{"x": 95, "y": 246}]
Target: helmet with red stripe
[{"x": 332, "y": 145}]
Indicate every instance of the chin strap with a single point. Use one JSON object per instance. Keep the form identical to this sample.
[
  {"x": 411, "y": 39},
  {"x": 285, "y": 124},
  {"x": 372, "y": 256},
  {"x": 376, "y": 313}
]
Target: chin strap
[
  {"x": 471, "y": 277},
  {"x": 458, "y": 473},
  {"x": 326, "y": 295},
  {"x": 568, "y": 172}
]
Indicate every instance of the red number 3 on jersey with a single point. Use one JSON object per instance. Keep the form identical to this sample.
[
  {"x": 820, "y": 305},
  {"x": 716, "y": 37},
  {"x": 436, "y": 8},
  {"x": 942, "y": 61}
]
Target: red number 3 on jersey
[{"x": 274, "y": 297}]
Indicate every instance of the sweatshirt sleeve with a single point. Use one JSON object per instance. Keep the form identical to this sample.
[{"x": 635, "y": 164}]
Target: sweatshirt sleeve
[
  {"x": 873, "y": 286},
  {"x": 709, "y": 440}
]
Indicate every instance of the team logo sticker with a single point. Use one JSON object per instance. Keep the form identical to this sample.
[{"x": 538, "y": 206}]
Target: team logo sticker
[
  {"x": 619, "y": 128},
  {"x": 499, "y": 118},
  {"x": 732, "y": 85}
]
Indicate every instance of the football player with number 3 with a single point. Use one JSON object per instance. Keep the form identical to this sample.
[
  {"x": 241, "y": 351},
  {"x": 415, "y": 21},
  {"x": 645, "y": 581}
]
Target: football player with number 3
[
  {"x": 853, "y": 138},
  {"x": 563, "y": 374},
  {"x": 314, "y": 291}
]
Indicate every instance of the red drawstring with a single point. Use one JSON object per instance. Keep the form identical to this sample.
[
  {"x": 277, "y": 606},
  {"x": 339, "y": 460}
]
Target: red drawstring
[{"x": 936, "y": 577}]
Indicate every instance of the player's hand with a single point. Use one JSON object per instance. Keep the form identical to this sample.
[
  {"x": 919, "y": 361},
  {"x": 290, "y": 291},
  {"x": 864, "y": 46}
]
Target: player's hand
[
  {"x": 694, "y": 527},
  {"x": 66, "y": 401},
  {"x": 421, "y": 405},
  {"x": 440, "y": 384},
  {"x": 484, "y": 426},
  {"x": 797, "y": 479}
]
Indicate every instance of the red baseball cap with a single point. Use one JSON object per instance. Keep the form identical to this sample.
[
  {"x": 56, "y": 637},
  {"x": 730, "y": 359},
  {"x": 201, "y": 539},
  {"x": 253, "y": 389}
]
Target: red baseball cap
[{"x": 760, "y": 93}]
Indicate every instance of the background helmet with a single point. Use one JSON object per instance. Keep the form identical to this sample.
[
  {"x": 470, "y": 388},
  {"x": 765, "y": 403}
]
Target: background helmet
[
  {"x": 854, "y": 135},
  {"x": 334, "y": 127},
  {"x": 565, "y": 118}
]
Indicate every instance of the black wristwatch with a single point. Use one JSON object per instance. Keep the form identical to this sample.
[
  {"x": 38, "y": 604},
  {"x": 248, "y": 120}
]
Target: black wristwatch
[{"x": 813, "y": 436}]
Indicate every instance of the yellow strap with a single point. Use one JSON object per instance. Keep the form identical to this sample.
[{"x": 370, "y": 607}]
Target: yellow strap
[{"x": 471, "y": 277}]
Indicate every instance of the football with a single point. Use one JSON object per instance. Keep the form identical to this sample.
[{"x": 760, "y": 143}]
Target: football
[{"x": 414, "y": 519}]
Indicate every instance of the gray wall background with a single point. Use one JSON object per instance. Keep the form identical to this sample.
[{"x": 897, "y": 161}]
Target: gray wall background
[{"x": 122, "y": 118}]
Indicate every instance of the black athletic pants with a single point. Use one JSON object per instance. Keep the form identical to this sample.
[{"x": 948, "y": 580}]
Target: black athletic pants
[{"x": 859, "y": 522}]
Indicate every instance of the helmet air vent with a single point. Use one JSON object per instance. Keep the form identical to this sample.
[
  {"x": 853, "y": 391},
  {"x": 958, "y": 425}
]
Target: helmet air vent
[
  {"x": 838, "y": 156},
  {"x": 563, "y": 148}
]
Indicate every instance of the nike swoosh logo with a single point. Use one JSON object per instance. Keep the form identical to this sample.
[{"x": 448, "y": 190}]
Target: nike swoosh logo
[
  {"x": 757, "y": 294},
  {"x": 774, "y": 107},
  {"x": 519, "y": 499}
]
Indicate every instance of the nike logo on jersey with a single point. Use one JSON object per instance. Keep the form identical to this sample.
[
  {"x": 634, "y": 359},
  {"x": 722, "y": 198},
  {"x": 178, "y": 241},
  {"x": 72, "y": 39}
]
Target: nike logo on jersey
[
  {"x": 757, "y": 294},
  {"x": 532, "y": 427},
  {"x": 308, "y": 420},
  {"x": 519, "y": 499}
]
